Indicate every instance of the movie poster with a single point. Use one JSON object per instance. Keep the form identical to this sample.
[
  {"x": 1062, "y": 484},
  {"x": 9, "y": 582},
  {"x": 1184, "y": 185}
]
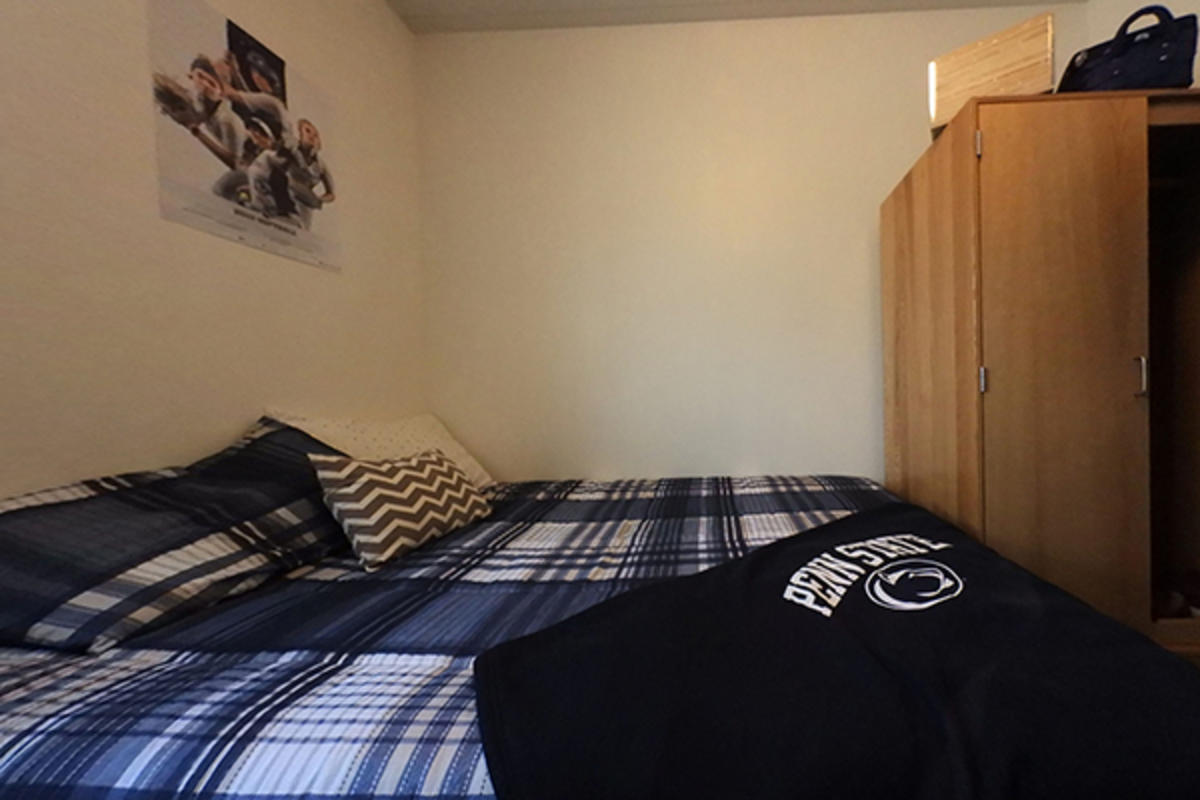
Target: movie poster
[{"x": 247, "y": 148}]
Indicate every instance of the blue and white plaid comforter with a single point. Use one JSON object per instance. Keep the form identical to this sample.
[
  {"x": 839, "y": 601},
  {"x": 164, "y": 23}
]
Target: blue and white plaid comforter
[{"x": 339, "y": 683}]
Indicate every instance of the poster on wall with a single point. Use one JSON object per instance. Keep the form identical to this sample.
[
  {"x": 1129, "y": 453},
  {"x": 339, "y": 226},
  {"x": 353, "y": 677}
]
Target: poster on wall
[{"x": 243, "y": 140}]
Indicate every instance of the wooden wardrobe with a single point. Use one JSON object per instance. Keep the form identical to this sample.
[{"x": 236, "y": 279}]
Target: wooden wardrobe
[{"x": 1041, "y": 318}]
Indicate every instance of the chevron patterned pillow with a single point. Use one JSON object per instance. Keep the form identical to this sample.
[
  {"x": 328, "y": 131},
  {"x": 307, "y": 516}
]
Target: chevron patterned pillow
[{"x": 390, "y": 507}]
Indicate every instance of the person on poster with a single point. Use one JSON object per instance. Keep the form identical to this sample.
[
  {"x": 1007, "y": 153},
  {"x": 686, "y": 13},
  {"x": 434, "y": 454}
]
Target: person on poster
[
  {"x": 308, "y": 171},
  {"x": 203, "y": 110},
  {"x": 214, "y": 122},
  {"x": 207, "y": 113},
  {"x": 268, "y": 174},
  {"x": 234, "y": 185}
]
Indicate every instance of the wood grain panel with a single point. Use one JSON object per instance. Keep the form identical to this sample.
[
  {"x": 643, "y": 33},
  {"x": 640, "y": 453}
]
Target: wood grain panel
[
  {"x": 930, "y": 268},
  {"x": 1155, "y": 97},
  {"x": 1018, "y": 60},
  {"x": 1064, "y": 191},
  {"x": 1179, "y": 109}
]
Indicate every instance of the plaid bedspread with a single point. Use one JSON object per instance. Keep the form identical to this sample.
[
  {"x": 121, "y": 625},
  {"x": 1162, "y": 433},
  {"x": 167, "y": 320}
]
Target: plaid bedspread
[{"x": 338, "y": 683}]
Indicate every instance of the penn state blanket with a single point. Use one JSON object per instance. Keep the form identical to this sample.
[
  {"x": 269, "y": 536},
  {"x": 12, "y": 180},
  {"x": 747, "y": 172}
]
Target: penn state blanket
[{"x": 886, "y": 655}]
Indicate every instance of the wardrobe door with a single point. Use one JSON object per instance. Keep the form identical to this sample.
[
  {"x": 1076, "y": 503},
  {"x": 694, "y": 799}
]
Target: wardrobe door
[{"x": 1064, "y": 221}]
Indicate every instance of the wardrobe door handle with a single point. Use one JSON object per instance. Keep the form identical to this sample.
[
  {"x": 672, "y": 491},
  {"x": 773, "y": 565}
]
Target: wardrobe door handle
[{"x": 1143, "y": 377}]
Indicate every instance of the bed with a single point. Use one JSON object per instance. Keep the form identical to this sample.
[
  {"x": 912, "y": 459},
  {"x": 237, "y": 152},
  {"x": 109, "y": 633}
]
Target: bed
[{"x": 319, "y": 680}]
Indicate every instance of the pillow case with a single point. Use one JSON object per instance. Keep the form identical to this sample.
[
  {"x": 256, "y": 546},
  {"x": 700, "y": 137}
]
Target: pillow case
[
  {"x": 381, "y": 441},
  {"x": 390, "y": 507},
  {"x": 88, "y": 565}
]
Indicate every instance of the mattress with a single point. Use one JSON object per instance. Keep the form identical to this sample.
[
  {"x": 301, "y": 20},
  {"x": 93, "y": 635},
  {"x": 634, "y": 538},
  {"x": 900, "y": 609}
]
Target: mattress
[{"x": 332, "y": 682}]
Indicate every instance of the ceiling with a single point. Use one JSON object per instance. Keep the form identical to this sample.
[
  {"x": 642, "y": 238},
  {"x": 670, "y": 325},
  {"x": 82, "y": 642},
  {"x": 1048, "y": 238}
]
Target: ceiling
[{"x": 446, "y": 16}]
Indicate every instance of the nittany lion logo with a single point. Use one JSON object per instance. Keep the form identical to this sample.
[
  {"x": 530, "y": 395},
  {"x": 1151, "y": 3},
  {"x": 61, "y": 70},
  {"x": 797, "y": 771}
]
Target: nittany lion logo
[{"x": 912, "y": 584}]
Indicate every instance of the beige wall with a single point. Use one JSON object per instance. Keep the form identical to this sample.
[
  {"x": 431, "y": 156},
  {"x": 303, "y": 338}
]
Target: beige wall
[
  {"x": 653, "y": 250},
  {"x": 649, "y": 250},
  {"x": 130, "y": 342}
]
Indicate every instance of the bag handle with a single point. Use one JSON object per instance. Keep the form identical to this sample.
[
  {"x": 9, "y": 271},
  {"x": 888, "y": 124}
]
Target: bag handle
[{"x": 1163, "y": 14}]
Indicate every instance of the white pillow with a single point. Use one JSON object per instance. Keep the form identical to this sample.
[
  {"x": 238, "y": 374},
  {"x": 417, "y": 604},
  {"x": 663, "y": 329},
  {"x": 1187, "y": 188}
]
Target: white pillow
[{"x": 383, "y": 441}]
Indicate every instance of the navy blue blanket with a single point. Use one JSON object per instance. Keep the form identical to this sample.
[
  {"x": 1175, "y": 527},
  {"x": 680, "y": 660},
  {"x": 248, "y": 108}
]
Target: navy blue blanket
[{"x": 886, "y": 655}]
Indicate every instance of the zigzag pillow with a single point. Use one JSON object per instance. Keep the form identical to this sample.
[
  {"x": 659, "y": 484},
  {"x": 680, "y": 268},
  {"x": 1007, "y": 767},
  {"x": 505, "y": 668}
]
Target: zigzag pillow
[{"x": 390, "y": 507}]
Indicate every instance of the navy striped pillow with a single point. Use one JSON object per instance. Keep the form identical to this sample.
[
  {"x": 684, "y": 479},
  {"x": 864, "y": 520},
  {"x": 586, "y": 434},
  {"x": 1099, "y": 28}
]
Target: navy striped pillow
[{"x": 89, "y": 565}]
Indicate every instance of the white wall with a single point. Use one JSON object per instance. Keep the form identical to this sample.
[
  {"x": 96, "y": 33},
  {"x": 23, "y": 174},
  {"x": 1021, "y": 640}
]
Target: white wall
[
  {"x": 653, "y": 250},
  {"x": 130, "y": 342}
]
